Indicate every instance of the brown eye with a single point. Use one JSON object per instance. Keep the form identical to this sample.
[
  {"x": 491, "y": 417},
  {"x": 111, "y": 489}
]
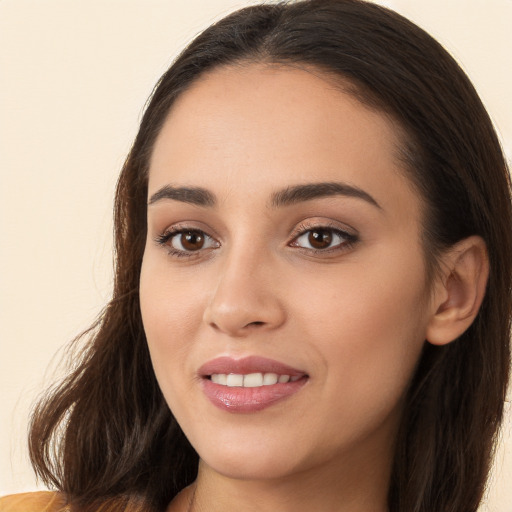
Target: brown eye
[
  {"x": 189, "y": 241},
  {"x": 320, "y": 238},
  {"x": 323, "y": 239},
  {"x": 186, "y": 242}
]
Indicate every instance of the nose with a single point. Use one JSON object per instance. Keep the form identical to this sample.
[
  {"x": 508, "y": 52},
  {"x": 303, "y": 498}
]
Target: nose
[{"x": 246, "y": 297}]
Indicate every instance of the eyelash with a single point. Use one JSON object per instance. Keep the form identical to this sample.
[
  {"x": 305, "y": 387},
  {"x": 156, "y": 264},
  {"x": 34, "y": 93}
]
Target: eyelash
[{"x": 349, "y": 239}]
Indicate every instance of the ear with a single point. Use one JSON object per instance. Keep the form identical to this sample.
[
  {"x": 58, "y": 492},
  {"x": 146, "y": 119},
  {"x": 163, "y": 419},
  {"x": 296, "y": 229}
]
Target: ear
[{"x": 459, "y": 290}]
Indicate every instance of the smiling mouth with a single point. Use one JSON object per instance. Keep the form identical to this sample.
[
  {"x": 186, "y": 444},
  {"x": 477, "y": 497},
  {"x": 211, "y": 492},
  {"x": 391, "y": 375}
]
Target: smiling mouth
[{"x": 250, "y": 384}]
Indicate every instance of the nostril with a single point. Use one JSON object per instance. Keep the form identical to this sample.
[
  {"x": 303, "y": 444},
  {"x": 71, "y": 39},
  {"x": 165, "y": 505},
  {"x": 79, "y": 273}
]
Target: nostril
[{"x": 255, "y": 324}]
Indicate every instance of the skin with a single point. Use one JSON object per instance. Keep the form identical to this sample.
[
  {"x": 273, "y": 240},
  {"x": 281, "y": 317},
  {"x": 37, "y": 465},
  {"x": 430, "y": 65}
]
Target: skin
[{"x": 354, "y": 316}]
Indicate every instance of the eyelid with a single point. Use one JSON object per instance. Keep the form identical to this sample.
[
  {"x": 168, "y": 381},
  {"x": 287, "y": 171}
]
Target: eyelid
[
  {"x": 328, "y": 224},
  {"x": 188, "y": 225}
]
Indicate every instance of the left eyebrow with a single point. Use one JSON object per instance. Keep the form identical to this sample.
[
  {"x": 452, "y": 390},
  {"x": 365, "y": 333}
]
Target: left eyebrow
[
  {"x": 298, "y": 193},
  {"x": 193, "y": 195}
]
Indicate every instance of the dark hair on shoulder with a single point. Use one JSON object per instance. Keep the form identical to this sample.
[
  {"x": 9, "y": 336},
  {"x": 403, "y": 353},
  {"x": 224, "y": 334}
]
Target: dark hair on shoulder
[{"x": 107, "y": 432}]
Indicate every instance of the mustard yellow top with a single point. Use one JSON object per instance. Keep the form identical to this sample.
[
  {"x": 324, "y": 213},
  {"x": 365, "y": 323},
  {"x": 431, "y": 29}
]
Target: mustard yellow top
[
  {"x": 43, "y": 501},
  {"x": 48, "y": 501}
]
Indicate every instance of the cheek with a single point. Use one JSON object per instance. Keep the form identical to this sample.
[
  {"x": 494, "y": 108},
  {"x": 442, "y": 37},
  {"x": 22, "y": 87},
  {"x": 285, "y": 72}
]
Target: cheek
[
  {"x": 171, "y": 317},
  {"x": 368, "y": 330},
  {"x": 375, "y": 350}
]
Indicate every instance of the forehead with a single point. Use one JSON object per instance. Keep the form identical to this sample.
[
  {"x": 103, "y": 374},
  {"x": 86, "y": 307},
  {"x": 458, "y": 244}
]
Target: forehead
[{"x": 260, "y": 127}]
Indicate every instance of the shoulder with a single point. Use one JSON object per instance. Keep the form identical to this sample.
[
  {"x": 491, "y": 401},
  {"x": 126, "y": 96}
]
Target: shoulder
[{"x": 43, "y": 501}]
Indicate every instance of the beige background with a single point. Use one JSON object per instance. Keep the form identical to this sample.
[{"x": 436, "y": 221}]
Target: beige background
[{"x": 74, "y": 75}]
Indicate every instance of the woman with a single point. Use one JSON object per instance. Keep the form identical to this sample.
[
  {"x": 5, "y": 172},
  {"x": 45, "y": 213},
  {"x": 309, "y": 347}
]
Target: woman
[{"x": 313, "y": 274}]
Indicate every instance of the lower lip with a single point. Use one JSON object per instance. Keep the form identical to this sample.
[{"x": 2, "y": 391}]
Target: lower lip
[{"x": 243, "y": 400}]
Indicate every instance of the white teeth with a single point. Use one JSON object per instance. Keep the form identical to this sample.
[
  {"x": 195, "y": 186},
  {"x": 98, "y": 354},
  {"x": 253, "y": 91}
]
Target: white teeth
[
  {"x": 235, "y": 380},
  {"x": 251, "y": 380},
  {"x": 270, "y": 378},
  {"x": 220, "y": 378}
]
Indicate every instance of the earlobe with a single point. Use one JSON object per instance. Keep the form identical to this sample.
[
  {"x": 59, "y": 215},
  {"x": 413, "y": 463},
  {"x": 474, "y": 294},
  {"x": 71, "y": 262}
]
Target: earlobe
[{"x": 460, "y": 290}]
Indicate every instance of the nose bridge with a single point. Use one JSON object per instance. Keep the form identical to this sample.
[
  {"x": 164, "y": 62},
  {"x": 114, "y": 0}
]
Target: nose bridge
[{"x": 245, "y": 295}]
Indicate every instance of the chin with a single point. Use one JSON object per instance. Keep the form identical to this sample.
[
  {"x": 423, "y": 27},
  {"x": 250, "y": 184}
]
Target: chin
[
  {"x": 251, "y": 460},
  {"x": 268, "y": 467}
]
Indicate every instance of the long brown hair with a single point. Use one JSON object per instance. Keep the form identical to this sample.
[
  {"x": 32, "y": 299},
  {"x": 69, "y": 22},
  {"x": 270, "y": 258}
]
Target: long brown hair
[{"x": 106, "y": 431}]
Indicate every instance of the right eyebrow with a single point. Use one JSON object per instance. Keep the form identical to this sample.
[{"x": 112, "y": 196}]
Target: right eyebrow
[
  {"x": 308, "y": 191},
  {"x": 192, "y": 195}
]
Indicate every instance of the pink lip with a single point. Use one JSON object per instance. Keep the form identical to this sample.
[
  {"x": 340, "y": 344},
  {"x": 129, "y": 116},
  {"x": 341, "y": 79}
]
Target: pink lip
[{"x": 245, "y": 400}]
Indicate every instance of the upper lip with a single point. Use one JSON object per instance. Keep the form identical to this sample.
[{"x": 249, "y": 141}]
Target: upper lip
[{"x": 246, "y": 365}]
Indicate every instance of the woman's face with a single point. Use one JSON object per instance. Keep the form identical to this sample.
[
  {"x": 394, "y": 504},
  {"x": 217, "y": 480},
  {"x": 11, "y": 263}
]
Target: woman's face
[{"x": 283, "y": 243}]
